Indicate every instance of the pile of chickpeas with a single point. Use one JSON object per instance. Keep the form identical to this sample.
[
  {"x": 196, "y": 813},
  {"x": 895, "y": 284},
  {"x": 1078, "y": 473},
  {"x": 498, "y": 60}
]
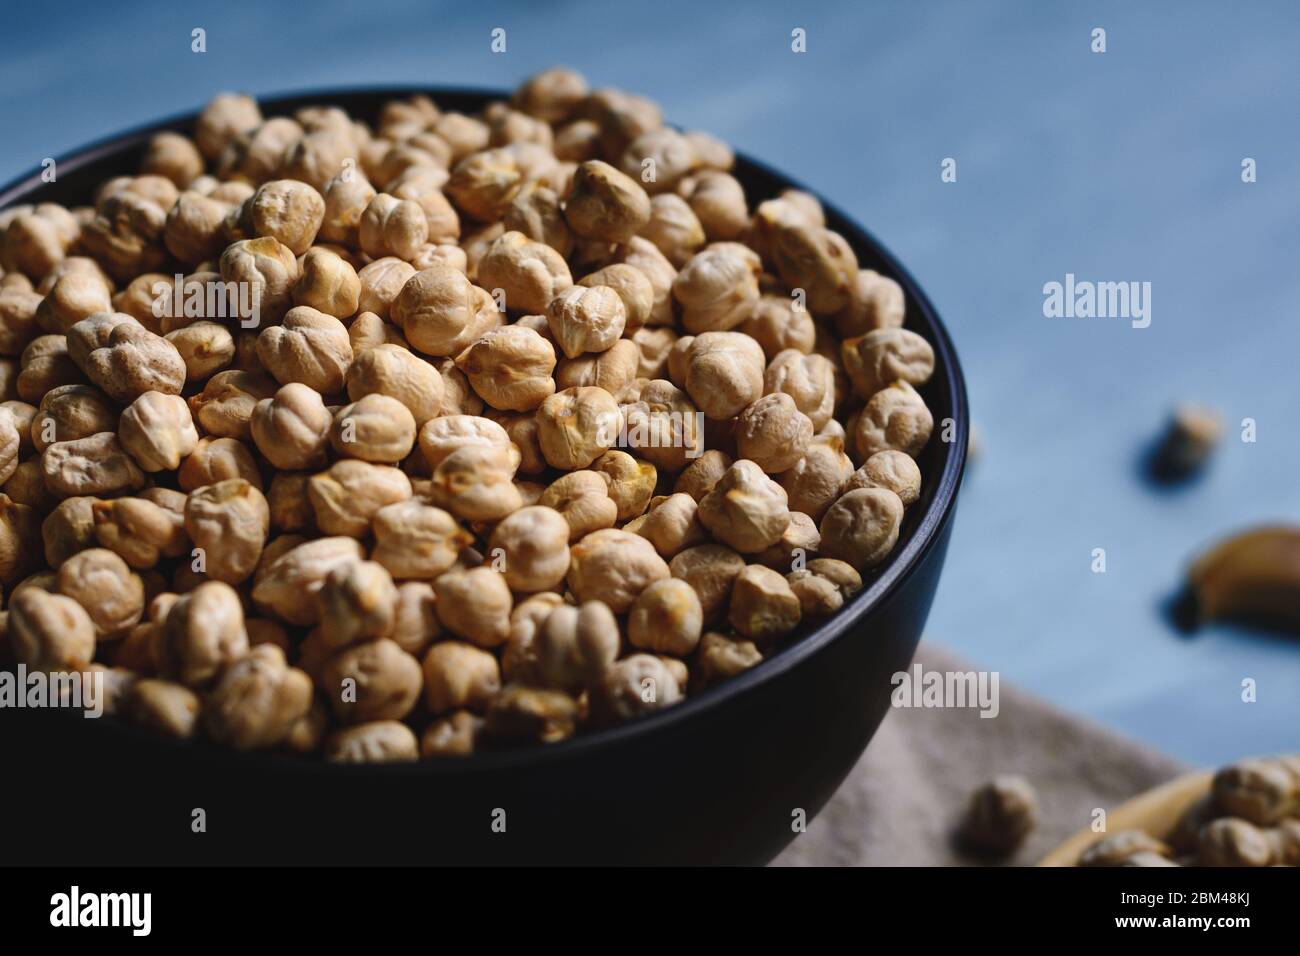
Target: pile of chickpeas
[
  {"x": 1250, "y": 817},
  {"x": 398, "y": 510}
]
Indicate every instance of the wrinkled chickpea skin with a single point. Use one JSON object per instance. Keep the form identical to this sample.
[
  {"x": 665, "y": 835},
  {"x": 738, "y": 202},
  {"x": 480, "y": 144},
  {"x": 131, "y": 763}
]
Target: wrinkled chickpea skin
[{"x": 429, "y": 465}]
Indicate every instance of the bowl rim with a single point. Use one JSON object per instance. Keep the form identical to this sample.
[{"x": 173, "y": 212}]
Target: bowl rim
[{"x": 898, "y": 568}]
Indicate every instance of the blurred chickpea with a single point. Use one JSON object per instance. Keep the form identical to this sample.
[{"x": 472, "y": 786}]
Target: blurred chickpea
[
  {"x": 451, "y": 736},
  {"x": 74, "y": 297},
  {"x": 380, "y": 741},
  {"x": 703, "y": 473},
  {"x": 50, "y": 632},
  {"x": 257, "y": 700},
  {"x": 530, "y": 715},
  {"x": 459, "y": 677},
  {"x": 575, "y": 645},
  {"x": 374, "y": 680},
  {"x": 475, "y": 604},
  {"x": 203, "y": 631},
  {"x": 357, "y": 601},
  {"x": 718, "y": 202},
  {"x": 536, "y": 212},
  {"x": 634, "y": 686},
  {"x": 720, "y": 658},
  {"x": 163, "y": 707},
  {"x": 483, "y": 183},
  {"x": 346, "y": 197},
  {"x": 225, "y": 116},
  {"x": 875, "y": 302}
]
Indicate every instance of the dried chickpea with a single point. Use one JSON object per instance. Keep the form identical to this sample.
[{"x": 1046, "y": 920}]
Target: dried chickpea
[
  {"x": 773, "y": 433},
  {"x": 357, "y": 601},
  {"x": 882, "y": 356},
  {"x": 308, "y": 347},
  {"x": 139, "y": 530},
  {"x": 257, "y": 700},
  {"x": 459, "y": 677},
  {"x": 380, "y": 741},
  {"x": 723, "y": 373},
  {"x": 381, "y": 281},
  {"x": 374, "y": 428},
  {"x": 475, "y": 604},
  {"x": 718, "y": 202},
  {"x": 582, "y": 499},
  {"x": 73, "y": 297},
  {"x": 157, "y": 431},
  {"x": 633, "y": 686},
  {"x": 346, "y": 197},
  {"x": 217, "y": 459},
  {"x": 586, "y": 319},
  {"x": 717, "y": 290},
  {"x": 287, "y": 210},
  {"x": 349, "y": 493},
  {"x": 671, "y": 525},
  {"x": 745, "y": 509},
  {"x": 815, "y": 481},
  {"x": 763, "y": 607},
  {"x": 537, "y": 213},
  {"x": 533, "y": 547},
  {"x": 631, "y": 483},
  {"x": 666, "y": 618},
  {"x": 895, "y": 418},
  {"x": 396, "y": 372},
  {"x": 530, "y": 273},
  {"x": 703, "y": 473},
  {"x": 824, "y": 586},
  {"x": 392, "y": 227},
  {"x": 720, "y": 658},
  {"x": 225, "y": 407},
  {"x": 97, "y": 465},
  {"x": 451, "y": 736},
  {"x": 163, "y": 707},
  {"x": 269, "y": 269},
  {"x": 205, "y": 348},
  {"x": 328, "y": 284},
  {"x": 606, "y": 204},
  {"x": 50, "y": 632},
  {"x": 613, "y": 566},
  {"x": 808, "y": 379},
  {"x": 576, "y": 645},
  {"x": 229, "y": 521},
  {"x": 510, "y": 368},
  {"x": 440, "y": 311},
  {"x": 875, "y": 302},
  {"x": 529, "y": 714},
  {"x": 577, "y": 425},
  {"x": 890, "y": 469},
  {"x": 103, "y": 584},
  {"x": 287, "y": 586},
  {"x": 416, "y": 540},
  {"x": 291, "y": 429},
  {"x": 449, "y": 433},
  {"x": 415, "y": 620},
  {"x": 861, "y": 528},
  {"x": 227, "y": 115},
  {"x": 202, "y": 632},
  {"x": 483, "y": 183},
  {"x": 1000, "y": 816}
]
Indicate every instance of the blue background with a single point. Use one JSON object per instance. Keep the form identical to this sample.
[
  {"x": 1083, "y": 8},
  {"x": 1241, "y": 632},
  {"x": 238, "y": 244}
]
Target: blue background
[{"x": 1116, "y": 166}]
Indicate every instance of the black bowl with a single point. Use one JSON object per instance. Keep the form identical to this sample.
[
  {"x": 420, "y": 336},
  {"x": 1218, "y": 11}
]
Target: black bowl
[{"x": 720, "y": 778}]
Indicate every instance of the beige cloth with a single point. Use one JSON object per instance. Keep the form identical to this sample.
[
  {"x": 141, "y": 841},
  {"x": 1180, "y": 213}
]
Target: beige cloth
[{"x": 903, "y": 800}]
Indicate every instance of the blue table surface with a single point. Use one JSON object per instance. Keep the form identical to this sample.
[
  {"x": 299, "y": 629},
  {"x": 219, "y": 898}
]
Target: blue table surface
[{"x": 1117, "y": 166}]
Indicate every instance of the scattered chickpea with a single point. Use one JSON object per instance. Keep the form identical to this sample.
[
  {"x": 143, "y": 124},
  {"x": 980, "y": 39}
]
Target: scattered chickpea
[{"x": 1000, "y": 816}]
